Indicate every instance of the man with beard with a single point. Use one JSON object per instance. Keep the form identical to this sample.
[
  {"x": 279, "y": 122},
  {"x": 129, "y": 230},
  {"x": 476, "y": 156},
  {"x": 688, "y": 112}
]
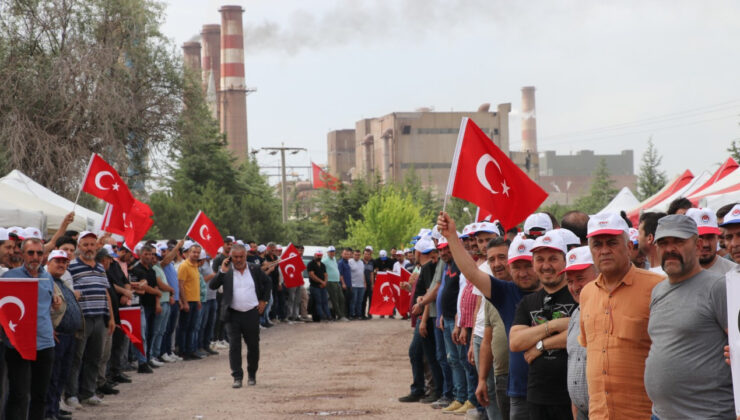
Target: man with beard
[
  {"x": 614, "y": 318},
  {"x": 90, "y": 279},
  {"x": 540, "y": 329},
  {"x": 505, "y": 296},
  {"x": 28, "y": 379},
  {"x": 684, "y": 377},
  {"x": 636, "y": 256},
  {"x": 706, "y": 222},
  {"x": 579, "y": 271}
]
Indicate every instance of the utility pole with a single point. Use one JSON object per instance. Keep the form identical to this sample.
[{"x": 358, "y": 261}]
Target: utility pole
[{"x": 282, "y": 150}]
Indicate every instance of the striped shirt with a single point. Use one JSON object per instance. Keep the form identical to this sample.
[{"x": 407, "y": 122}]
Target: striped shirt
[{"x": 92, "y": 283}]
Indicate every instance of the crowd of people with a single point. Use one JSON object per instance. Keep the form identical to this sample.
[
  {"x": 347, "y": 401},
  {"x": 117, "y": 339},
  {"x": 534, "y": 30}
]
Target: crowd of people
[
  {"x": 586, "y": 317},
  {"x": 191, "y": 306}
]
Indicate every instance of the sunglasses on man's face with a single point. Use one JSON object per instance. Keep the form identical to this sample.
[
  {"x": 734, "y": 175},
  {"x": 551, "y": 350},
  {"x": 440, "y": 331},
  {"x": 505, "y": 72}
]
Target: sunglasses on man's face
[{"x": 31, "y": 252}]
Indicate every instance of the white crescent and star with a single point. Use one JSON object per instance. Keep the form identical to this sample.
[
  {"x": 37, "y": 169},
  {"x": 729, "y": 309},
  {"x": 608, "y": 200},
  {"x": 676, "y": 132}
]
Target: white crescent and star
[
  {"x": 17, "y": 302},
  {"x": 480, "y": 171},
  {"x": 288, "y": 270},
  {"x": 125, "y": 323},
  {"x": 100, "y": 176},
  {"x": 204, "y": 233}
]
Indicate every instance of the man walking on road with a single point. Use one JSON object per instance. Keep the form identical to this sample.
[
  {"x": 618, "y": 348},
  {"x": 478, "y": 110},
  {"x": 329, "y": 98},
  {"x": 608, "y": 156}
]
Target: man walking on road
[{"x": 246, "y": 293}]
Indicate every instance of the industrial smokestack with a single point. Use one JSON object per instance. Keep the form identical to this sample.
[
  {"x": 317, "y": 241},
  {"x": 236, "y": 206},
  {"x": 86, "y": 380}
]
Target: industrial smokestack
[
  {"x": 191, "y": 56},
  {"x": 211, "y": 63},
  {"x": 484, "y": 107},
  {"x": 233, "y": 90},
  {"x": 529, "y": 120}
]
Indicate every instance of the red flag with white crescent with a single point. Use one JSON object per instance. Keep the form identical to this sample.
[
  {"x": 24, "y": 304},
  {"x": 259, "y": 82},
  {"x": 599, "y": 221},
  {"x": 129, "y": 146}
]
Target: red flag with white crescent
[
  {"x": 18, "y": 306},
  {"x": 401, "y": 295},
  {"x": 102, "y": 181},
  {"x": 204, "y": 232},
  {"x": 484, "y": 175},
  {"x": 132, "y": 225},
  {"x": 292, "y": 266},
  {"x": 323, "y": 179},
  {"x": 131, "y": 325},
  {"x": 383, "y": 301}
]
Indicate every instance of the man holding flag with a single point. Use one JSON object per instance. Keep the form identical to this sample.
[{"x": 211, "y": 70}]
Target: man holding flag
[{"x": 29, "y": 375}]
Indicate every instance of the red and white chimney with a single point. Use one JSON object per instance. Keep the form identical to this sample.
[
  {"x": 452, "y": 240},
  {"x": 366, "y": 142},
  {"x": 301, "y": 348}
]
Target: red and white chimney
[
  {"x": 191, "y": 56},
  {"x": 233, "y": 89},
  {"x": 529, "y": 121},
  {"x": 211, "y": 62}
]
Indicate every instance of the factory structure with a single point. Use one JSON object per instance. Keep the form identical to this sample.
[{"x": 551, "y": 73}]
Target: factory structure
[
  {"x": 387, "y": 147},
  {"x": 219, "y": 59}
]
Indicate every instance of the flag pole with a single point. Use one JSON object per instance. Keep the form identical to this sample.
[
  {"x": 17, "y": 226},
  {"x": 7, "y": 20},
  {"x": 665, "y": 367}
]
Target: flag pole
[
  {"x": 455, "y": 158},
  {"x": 87, "y": 171}
]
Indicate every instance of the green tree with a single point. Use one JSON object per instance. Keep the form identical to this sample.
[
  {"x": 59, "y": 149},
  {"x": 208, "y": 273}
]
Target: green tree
[
  {"x": 651, "y": 179},
  {"x": 601, "y": 193},
  {"x": 388, "y": 219},
  {"x": 734, "y": 150}
]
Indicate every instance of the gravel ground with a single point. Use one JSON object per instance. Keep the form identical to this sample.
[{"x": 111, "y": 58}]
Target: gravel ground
[{"x": 330, "y": 370}]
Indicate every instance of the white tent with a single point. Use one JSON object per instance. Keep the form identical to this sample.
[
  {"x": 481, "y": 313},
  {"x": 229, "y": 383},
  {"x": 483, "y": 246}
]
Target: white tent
[
  {"x": 19, "y": 181},
  {"x": 623, "y": 201},
  {"x": 54, "y": 214},
  {"x": 11, "y": 215},
  {"x": 684, "y": 191}
]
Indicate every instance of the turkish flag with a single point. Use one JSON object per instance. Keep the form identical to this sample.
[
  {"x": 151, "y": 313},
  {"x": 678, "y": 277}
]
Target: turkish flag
[
  {"x": 483, "y": 215},
  {"x": 204, "y": 232},
  {"x": 131, "y": 326},
  {"x": 383, "y": 301},
  {"x": 102, "y": 181},
  {"x": 292, "y": 266},
  {"x": 18, "y": 305},
  {"x": 484, "y": 175},
  {"x": 401, "y": 295},
  {"x": 132, "y": 225},
  {"x": 322, "y": 179}
]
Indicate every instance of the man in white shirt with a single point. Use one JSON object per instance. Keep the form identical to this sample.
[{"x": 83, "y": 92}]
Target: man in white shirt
[{"x": 246, "y": 293}]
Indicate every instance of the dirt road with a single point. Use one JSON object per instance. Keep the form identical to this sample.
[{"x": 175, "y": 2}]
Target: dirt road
[{"x": 337, "y": 370}]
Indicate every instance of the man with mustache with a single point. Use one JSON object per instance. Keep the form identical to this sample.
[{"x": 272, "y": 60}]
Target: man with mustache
[
  {"x": 614, "y": 317},
  {"x": 684, "y": 377},
  {"x": 706, "y": 222},
  {"x": 579, "y": 271}
]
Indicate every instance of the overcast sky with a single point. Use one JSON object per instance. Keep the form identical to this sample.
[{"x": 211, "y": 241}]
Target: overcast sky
[{"x": 608, "y": 74}]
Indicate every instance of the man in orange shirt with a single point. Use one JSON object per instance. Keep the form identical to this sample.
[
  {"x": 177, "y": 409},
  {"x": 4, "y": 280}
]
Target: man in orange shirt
[{"x": 614, "y": 318}]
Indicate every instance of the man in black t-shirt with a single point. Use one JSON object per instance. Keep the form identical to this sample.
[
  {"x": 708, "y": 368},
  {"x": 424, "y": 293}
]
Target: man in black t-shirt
[
  {"x": 144, "y": 279},
  {"x": 540, "y": 330},
  {"x": 318, "y": 279}
]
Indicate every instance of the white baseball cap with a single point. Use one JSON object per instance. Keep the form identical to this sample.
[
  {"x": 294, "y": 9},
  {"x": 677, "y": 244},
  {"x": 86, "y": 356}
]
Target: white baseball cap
[
  {"x": 203, "y": 255},
  {"x": 187, "y": 245},
  {"x": 261, "y": 248},
  {"x": 633, "y": 233},
  {"x": 32, "y": 232},
  {"x": 85, "y": 234},
  {"x": 537, "y": 220},
  {"x": 551, "y": 240},
  {"x": 111, "y": 252},
  {"x": 425, "y": 245},
  {"x": 383, "y": 253},
  {"x": 706, "y": 220},
  {"x": 399, "y": 252},
  {"x": 57, "y": 253},
  {"x": 466, "y": 231},
  {"x": 568, "y": 236},
  {"x": 17, "y": 231},
  {"x": 442, "y": 243},
  {"x": 369, "y": 248},
  {"x": 606, "y": 224},
  {"x": 520, "y": 249},
  {"x": 331, "y": 249},
  {"x": 578, "y": 259},
  {"x": 4, "y": 234},
  {"x": 487, "y": 227},
  {"x": 731, "y": 218},
  {"x": 435, "y": 233}
]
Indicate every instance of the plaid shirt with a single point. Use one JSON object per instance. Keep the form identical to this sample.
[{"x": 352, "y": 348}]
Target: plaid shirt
[{"x": 577, "y": 385}]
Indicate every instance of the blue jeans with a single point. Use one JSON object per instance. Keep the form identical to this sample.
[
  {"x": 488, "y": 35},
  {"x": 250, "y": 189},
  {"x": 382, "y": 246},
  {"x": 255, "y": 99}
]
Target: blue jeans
[
  {"x": 166, "y": 346},
  {"x": 459, "y": 383},
  {"x": 321, "y": 302},
  {"x": 492, "y": 410},
  {"x": 471, "y": 375},
  {"x": 355, "y": 308},
  {"x": 420, "y": 348},
  {"x": 63, "y": 353},
  {"x": 196, "y": 329},
  {"x": 439, "y": 343},
  {"x": 160, "y": 325},
  {"x": 265, "y": 318},
  {"x": 209, "y": 320},
  {"x": 186, "y": 332}
]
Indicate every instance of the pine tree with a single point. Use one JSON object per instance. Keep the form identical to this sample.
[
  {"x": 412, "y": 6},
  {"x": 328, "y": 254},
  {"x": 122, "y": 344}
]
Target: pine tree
[
  {"x": 602, "y": 190},
  {"x": 734, "y": 150},
  {"x": 651, "y": 179}
]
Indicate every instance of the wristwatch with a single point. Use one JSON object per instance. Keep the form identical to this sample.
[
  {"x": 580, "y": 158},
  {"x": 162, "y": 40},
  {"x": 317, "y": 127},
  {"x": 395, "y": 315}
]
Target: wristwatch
[{"x": 540, "y": 346}]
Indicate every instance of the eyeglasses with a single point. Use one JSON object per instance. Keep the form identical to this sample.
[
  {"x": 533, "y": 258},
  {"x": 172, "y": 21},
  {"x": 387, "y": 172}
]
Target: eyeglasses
[{"x": 31, "y": 252}]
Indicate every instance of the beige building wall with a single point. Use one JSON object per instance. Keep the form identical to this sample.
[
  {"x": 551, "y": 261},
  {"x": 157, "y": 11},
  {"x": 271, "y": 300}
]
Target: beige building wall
[
  {"x": 389, "y": 146},
  {"x": 341, "y": 146}
]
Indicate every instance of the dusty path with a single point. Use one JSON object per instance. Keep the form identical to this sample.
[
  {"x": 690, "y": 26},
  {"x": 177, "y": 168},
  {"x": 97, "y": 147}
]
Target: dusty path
[{"x": 336, "y": 370}]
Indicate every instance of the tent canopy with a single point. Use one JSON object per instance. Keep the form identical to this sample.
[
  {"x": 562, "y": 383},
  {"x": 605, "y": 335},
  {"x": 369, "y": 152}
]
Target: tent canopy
[
  {"x": 665, "y": 192},
  {"x": 624, "y": 200},
  {"x": 19, "y": 181},
  {"x": 54, "y": 214},
  {"x": 725, "y": 169},
  {"x": 684, "y": 191},
  {"x": 10, "y": 215}
]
